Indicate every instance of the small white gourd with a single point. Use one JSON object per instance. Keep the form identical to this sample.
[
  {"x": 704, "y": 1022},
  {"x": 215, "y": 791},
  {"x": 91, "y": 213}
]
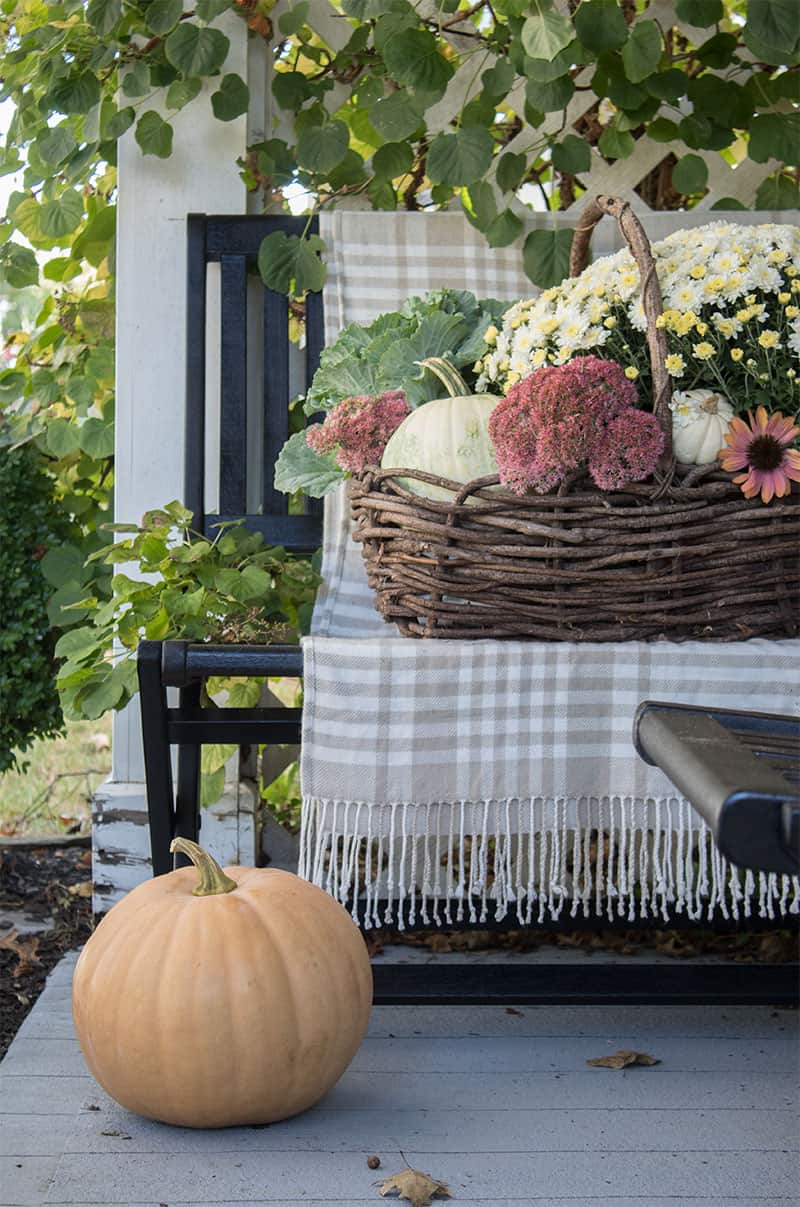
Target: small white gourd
[
  {"x": 448, "y": 437},
  {"x": 700, "y": 420}
]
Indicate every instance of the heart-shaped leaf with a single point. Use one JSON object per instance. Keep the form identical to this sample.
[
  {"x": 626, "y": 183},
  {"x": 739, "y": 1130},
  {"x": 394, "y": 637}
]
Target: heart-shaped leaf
[
  {"x": 460, "y": 158},
  {"x": 545, "y": 256}
]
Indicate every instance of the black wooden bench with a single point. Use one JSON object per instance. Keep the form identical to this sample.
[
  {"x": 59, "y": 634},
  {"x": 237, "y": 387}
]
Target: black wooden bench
[{"x": 233, "y": 243}]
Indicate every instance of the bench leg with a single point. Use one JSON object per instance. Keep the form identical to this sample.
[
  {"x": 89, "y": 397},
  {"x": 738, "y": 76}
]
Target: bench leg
[
  {"x": 157, "y": 762},
  {"x": 187, "y": 808}
]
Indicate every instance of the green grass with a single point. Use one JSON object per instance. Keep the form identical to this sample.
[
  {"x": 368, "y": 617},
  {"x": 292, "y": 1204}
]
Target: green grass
[{"x": 54, "y": 795}]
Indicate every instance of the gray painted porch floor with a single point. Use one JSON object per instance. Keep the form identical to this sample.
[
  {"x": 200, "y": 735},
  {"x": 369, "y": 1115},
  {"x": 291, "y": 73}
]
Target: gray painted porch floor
[{"x": 500, "y": 1105}]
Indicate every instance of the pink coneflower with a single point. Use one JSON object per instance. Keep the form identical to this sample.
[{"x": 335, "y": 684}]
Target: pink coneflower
[{"x": 762, "y": 451}]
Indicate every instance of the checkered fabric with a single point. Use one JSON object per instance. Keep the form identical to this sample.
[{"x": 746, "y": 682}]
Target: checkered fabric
[{"x": 438, "y": 776}]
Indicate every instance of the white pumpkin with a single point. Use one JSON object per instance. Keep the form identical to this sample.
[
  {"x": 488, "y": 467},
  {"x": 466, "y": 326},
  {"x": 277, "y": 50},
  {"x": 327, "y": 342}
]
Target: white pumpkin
[
  {"x": 448, "y": 437},
  {"x": 700, "y": 420}
]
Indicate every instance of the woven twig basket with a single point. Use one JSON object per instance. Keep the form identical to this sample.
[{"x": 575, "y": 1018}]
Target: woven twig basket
[{"x": 684, "y": 556}]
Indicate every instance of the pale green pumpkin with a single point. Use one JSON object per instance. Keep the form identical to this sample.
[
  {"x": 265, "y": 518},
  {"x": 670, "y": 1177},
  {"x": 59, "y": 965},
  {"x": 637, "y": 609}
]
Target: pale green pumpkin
[{"x": 448, "y": 436}]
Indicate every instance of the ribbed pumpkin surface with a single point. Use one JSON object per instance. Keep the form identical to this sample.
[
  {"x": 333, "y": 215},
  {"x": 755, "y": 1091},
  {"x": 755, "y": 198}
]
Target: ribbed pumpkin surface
[{"x": 238, "y": 1008}]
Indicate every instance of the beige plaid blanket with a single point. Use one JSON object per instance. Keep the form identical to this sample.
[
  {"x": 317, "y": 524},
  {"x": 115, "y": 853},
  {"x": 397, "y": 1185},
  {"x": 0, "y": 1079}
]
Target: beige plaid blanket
[{"x": 442, "y": 778}]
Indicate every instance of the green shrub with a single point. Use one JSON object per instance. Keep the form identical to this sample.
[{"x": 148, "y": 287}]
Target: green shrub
[{"x": 29, "y": 525}]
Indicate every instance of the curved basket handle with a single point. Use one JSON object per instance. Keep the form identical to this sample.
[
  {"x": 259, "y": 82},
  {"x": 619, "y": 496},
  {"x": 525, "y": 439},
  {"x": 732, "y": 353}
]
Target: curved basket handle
[{"x": 652, "y": 303}]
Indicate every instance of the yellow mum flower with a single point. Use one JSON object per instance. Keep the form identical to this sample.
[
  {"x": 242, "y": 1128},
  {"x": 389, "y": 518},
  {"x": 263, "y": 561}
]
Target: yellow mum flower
[
  {"x": 792, "y": 312},
  {"x": 701, "y": 328},
  {"x": 539, "y": 357},
  {"x": 610, "y": 322},
  {"x": 744, "y": 316},
  {"x": 675, "y": 364},
  {"x": 548, "y": 326},
  {"x": 631, "y": 373},
  {"x": 791, "y": 271},
  {"x": 512, "y": 379},
  {"x": 697, "y": 271},
  {"x": 736, "y": 354},
  {"x": 703, "y": 351},
  {"x": 796, "y": 286},
  {"x": 783, "y": 298},
  {"x": 750, "y": 299},
  {"x": 491, "y": 335},
  {"x": 768, "y": 339},
  {"x": 516, "y": 322},
  {"x": 661, "y": 321}
]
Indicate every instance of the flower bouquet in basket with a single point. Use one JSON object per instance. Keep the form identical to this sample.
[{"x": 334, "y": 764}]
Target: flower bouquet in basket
[{"x": 625, "y": 464}]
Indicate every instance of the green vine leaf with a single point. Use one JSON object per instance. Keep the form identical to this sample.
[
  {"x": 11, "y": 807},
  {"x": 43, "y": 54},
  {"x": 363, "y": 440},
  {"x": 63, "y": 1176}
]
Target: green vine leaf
[
  {"x": 209, "y": 10},
  {"x": 545, "y": 256},
  {"x": 774, "y": 22},
  {"x": 163, "y": 15},
  {"x": 196, "y": 51},
  {"x": 18, "y": 266},
  {"x": 775, "y": 136},
  {"x": 395, "y": 116},
  {"x": 504, "y": 229},
  {"x": 393, "y": 159},
  {"x": 778, "y": 193},
  {"x": 294, "y": 18},
  {"x": 619, "y": 144},
  {"x": 511, "y": 170},
  {"x": 232, "y": 98},
  {"x": 181, "y": 93},
  {"x": 413, "y": 58},
  {"x": 642, "y": 51},
  {"x": 104, "y": 15},
  {"x": 115, "y": 122},
  {"x": 154, "y": 135},
  {"x": 572, "y": 155},
  {"x": 288, "y": 263},
  {"x": 546, "y": 32},
  {"x": 460, "y": 158},
  {"x": 56, "y": 145},
  {"x": 600, "y": 25},
  {"x": 321, "y": 148},
  {"x": 700, "y": 12},
  {"x": 690, "y": 174},
  {"x": 76, "y": 94}
]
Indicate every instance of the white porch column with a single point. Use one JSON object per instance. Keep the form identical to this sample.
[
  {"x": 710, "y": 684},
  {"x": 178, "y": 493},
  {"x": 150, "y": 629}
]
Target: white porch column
[{"x": 155, "y": 196}]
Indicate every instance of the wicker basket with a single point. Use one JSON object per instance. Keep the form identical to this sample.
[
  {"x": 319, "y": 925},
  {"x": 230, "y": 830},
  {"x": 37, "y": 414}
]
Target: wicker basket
[{"x": 683, "y": 556}]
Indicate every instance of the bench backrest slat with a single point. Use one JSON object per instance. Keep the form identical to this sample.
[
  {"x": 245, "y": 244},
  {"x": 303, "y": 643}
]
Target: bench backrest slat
[{"x": 233, "y": 243}]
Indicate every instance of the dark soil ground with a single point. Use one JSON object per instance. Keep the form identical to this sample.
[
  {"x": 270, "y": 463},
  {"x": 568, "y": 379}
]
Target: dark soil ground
[{"x": 38, "y": 880}]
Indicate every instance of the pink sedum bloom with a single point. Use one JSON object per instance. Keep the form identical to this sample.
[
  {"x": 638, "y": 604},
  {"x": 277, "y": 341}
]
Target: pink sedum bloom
[
  {"x": 760, "y": 448},
  {"x": 358, "y": 428},
  {"x": 552, "y": 422},
  {"x": 628, "y": 452}
]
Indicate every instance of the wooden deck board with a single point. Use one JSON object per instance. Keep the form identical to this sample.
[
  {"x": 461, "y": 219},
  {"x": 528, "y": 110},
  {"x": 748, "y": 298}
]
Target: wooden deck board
[{"x": 500, "y": 1104}]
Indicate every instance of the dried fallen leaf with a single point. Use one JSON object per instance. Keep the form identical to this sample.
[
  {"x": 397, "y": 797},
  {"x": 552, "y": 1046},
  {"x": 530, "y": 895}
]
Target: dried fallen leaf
[
  {"x": 621, "y": 1060},
  {"x": 373, "y": 1162},
  {"x": 84, "y": 889},
  {"x": 420, "y": 1189},
  {"x": 26, "y": 951},
  {"x": 112, "y": 1131}
]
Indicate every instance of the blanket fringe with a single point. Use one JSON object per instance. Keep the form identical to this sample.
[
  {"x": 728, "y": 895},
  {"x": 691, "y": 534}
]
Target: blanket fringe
[{"x": 618, "y": 857}]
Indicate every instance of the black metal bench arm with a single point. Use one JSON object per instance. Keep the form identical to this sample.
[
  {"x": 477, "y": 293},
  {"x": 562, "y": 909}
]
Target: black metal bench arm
[
  {"x": 187, "y": 665},
  {"x": 741, "y": 772}
]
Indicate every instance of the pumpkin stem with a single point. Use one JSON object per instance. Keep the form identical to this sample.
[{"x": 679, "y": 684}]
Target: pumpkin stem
[
  {"x": 448, "y": 375},
  {"x": 212, "y": 878},
  {"x": 711, "y": 404}
]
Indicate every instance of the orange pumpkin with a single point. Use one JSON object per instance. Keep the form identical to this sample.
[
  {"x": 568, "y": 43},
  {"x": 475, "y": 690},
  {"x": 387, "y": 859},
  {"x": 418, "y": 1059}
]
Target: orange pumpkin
[{"x": 240, "y": 999}]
